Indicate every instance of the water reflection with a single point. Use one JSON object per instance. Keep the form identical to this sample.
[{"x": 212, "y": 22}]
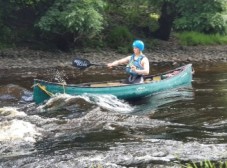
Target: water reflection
[{"x": 163, "y": 99}]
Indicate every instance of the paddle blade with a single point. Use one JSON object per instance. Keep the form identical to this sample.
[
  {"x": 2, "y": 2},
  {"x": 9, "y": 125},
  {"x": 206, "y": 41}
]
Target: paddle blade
[{"x": 81, "y": 63}]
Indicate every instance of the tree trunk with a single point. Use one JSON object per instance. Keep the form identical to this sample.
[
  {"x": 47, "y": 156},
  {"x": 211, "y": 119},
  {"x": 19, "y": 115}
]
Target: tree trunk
[{"x": 165, "y": 21}]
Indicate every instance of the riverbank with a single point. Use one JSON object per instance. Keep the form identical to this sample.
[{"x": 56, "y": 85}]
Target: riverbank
[{"x": 164, "y": 52}]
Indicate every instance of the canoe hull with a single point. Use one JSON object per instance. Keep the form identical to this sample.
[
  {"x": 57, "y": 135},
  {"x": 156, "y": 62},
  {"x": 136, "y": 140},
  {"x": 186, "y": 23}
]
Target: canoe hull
[{"x": 132, "y": 91}]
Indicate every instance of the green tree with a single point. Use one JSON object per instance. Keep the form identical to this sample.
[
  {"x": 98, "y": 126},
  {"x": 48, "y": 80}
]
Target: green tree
[
  {"x": 69, "y": 22},
  {"x": 17, "y": 19},
  {"x": 207, "y": 16},
  {"x": 73, "y": 20},
  {"x": 128, "y": 20}
]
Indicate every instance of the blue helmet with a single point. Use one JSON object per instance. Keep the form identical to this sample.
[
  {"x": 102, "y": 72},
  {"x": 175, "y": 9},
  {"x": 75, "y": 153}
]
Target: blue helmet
[{"x": 138, "y": 44}]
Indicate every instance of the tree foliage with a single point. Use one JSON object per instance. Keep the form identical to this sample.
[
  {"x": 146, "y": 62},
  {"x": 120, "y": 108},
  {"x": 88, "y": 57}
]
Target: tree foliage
[
  {"x": 66, "y": 23},
  {"x": 206, "y": 16},
  {"x": 81, "y": 18},
  {"x": 127, "y": 21},
  {"x": 134, "y": 14}
]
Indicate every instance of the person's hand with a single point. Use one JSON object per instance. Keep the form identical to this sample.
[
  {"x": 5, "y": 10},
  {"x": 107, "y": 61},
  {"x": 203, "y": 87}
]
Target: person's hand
[
  {"x": 110, "y": 65},
  {"x": 133, "y": 68}
]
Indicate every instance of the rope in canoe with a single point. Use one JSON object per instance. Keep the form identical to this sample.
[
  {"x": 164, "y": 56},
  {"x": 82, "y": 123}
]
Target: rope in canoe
[{"x": 43, "y": 88}]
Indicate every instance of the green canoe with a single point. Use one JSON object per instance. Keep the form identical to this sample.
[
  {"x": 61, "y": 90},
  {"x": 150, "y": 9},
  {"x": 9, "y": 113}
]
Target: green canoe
[{"x": 43, "y": 90}]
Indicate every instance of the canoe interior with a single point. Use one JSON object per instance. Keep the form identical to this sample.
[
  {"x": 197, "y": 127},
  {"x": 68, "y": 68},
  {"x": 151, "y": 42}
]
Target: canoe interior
[{"x": 148, "y": 79}]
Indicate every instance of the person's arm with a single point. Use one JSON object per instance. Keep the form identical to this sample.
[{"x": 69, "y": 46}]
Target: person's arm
[
  {"x": 146, "y": 66},
  {"x": 119, "y": 62}
]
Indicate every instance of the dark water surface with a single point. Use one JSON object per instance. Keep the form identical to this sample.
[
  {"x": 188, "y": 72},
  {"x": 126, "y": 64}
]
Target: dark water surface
[{"x": 164, "y": 130}]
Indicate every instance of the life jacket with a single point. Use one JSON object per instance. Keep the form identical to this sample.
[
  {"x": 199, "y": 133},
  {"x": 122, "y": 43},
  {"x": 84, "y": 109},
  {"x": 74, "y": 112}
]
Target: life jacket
[{"x": 136, "y": 63}]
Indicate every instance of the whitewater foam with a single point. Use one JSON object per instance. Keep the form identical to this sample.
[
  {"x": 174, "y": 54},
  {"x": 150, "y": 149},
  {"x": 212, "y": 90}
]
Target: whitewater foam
[
  {"x": 108, "y": 102},
  {"x": 18, "y": 130}
]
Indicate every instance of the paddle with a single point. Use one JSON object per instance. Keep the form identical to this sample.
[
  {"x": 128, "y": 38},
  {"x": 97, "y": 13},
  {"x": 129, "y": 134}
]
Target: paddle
[{"x": 84, "y": 63}]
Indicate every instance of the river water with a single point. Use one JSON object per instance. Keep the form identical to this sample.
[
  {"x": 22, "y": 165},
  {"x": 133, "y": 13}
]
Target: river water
[{"x": 167, "y": 129}]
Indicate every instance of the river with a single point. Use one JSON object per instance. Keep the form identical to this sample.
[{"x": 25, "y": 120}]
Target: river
[{"x": 167, "y": 129}]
